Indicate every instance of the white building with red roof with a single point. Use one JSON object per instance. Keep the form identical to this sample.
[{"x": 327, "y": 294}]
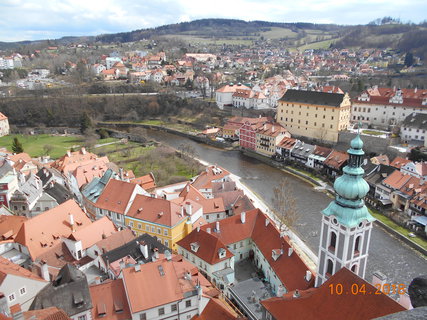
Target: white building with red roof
[
  {"x": 382, "y": 107},
  {"x": 18, "y": 285},
  {"x": 224, "y": 95}
]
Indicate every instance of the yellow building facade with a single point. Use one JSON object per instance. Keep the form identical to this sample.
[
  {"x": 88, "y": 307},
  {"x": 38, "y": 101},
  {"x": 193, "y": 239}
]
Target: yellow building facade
[
  {"x": 167, "y": 235},
  {"x": 315, "y": 115},
  {"x": 268, "y": 137}
]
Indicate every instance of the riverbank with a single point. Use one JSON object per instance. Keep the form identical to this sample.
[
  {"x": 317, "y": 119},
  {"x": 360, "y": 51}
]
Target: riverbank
[{"x": 319, "y": 185}]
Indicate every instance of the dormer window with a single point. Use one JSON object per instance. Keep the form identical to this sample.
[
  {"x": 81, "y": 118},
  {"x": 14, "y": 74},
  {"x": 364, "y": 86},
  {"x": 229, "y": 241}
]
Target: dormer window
[
  {"x": 221, "y": 253},
  {"x": 194, "y": 246}
]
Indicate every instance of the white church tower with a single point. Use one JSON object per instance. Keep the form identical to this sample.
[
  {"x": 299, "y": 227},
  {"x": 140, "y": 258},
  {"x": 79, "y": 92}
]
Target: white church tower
[{"x": 346, "y": 222}]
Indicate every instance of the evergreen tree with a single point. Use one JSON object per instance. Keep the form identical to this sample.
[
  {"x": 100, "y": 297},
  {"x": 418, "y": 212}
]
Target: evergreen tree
[
  {"x": 17, "y": 146},
  {"x": 409, "y": 59},
  {"x": 85, "y": 122}
]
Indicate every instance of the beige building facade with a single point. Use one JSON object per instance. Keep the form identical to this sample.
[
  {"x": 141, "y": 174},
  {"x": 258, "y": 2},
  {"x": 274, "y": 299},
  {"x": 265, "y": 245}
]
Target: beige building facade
[
  {"x": 268, "y": 137},
  {"x": 315, "y": 115}
]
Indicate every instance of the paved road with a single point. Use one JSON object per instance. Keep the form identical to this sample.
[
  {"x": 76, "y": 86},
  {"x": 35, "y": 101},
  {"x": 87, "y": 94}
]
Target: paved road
[{"x": 396, "y": 260}]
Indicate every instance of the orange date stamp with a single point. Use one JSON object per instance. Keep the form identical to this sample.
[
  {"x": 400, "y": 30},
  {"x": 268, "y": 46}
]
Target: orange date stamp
[{"x": 357, "y": 289}]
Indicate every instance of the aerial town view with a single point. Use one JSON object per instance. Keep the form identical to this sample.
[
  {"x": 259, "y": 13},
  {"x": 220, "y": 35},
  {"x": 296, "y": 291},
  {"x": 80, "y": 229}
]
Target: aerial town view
[{"x": 196, "y": 160}]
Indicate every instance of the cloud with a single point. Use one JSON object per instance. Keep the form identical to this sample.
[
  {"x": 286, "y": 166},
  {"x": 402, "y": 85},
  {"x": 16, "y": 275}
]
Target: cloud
[{"x": 35, "y": 19}]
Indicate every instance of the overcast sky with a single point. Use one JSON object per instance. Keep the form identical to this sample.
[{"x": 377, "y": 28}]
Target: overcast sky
[{"x": 51, "y": 19}]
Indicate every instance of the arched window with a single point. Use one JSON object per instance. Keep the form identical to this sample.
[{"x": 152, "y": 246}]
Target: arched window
[
  {"x": 354, "y": 268},
  {"x": 329, "y": 268},
  {"x": 332, "y": 241},
  {"x": 357, "y": 245}
]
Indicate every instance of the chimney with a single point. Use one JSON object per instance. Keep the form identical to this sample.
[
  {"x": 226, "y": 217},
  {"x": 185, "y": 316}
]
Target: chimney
[
  {"x": 144, "y": 249},
  {"x": 296, "y": 294},
  {"x": 156, "y": 253},
  {"x": 272, "y": 129},
  {"x": 69, "y": 153},
  {"x": 208, "y": 230},
  {"x": 243, "y": 217},
  {"x": 168, "y": 255},
  {"x": 308, "y": 275},
  {"x": 83, "y": 150},
  {"x": 188, "y": 186},
  {"x": 44, "y": 270},
  {"x": 137, "y": 268},
  {"x": 198, "y": 228},
  {"x": 267, "y": 221},
  {"x": 290, "y": 251},
  {"x": 188, "y": 208},
  {"x": 378, "y": 278},
  {"x": 73, "y": 226},
  {"x": 280, "y": 291},
  {"x": 217, "y": 227},
  {"x": 121, "y": 173},
  {"x": 97, "y": 280},
  {"x": 182, "y": 210},
  {"x": 265, "y": 127}
]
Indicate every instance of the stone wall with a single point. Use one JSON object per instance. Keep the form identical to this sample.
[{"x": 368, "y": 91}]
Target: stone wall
[{"x": 371, "y": 144}]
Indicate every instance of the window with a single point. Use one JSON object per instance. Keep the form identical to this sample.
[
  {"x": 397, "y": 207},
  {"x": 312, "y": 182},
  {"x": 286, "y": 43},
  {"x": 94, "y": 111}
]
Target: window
[
  {"x": 161, "y": 311},
  {"x": 139, "y": 226},
  {"x": 118, "y": 216},
  {"x": 333, "y": 241},
  {"x": 188, "y": 303},
  {"x": 83, "y": 317},
  {"x": 22, "y": 291},
  {"x": 165, "y": 232},
  {"x": 159, "y": 231},
  {"x": 153, "y": 229},
  {"x": 142, "y": 316},
  {"x": 357, "y": 245},
  {"x": 173, "y": 307},
  {"x": 130, "y": 223},
  {"x": 12, "y": 297},
  {"x": 330, "y": 268},
  {"x": 147, "y": 227}
]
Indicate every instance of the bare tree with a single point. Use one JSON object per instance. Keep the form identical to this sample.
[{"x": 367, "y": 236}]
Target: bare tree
[{"x": 284, "y": 204}]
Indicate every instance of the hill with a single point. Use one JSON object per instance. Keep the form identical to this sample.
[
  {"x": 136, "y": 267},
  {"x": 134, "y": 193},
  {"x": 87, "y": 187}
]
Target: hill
[{"x": 404, "y": 37}]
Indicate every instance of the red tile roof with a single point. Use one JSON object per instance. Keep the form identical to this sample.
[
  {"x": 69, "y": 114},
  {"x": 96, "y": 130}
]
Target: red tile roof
[
  {"x": 336, "y": 159},
  {"x": 156, "y": 210},
  {"x": 116, "y": 196},
  {"x": 109, "y": 301},
  {"x": 160, "y": 288},
  {"x": 213, "y": 205},
  {"x": 94, "y": 232},
  {"x": 85, "y": 173},
  {"x": 212, "y": 173},
  {"x": 147, "y": 182},
  {"x": 51, "y": 313},
  {"x": 116, "y": 240},
  {"x": 321, "y": 151},
  {"x": 398, "y": 162},
  {"x": 7, "y": 267},
  {"x": 231, "y": 88},
  {"x": 38, "y": 239},
  {"x": 9, "y": 226},
  {"x": 208, "y": 246},
  {"x": 216, "y": 310},
  {"x": 272, "y": 130},
  {"x": 71, "y": 160},
  {"x": 319, "y": 303},
  {"x": 267, "y": 238},
  {"x": 287, "y": 143}
]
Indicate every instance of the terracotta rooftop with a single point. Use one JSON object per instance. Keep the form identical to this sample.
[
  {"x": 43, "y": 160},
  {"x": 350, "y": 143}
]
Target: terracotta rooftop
[
  {"x": 271, "y": 129},
  {"x": 156, "y": 210},
  {"x": 116, "y": 240},
  {"x": 7, "y": 267},
  {"x": 319, "y": 303},
  {"x": 262, "y": 231},
  {"x": 212, "y": 205},
  {"x": 39, "y": 239},
  {"x": 216, "y": 309},
  {"x": 208, "y": 246},
  {"x": 287, "y": 143},
  {"x": 94, "y": 232},
  {"x": 109, "y": 301},
  {"x": 71, "y": 160},
  {"x": 147, "y": 182},
  {"x": 336, "y": 159},
  {"x": 161, "y": 282},
  {"x": 85, "y": 173},
  {"x": 116, "y": 196},
  {"x": 398, "y": 162},
  {"x": 212, "y": 173},
  {"x": 231, "y": 88},
  {"x": 9, "y": 226},
  {"x": 51, "y": 313}
]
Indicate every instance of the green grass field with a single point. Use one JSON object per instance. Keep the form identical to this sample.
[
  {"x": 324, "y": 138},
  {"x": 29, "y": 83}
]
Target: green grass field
[{"x": 33, "y": 144}]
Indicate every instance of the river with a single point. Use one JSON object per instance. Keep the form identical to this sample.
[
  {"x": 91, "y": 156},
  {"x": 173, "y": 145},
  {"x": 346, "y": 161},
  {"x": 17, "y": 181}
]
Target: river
[{"x": 395, "y": 259}]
